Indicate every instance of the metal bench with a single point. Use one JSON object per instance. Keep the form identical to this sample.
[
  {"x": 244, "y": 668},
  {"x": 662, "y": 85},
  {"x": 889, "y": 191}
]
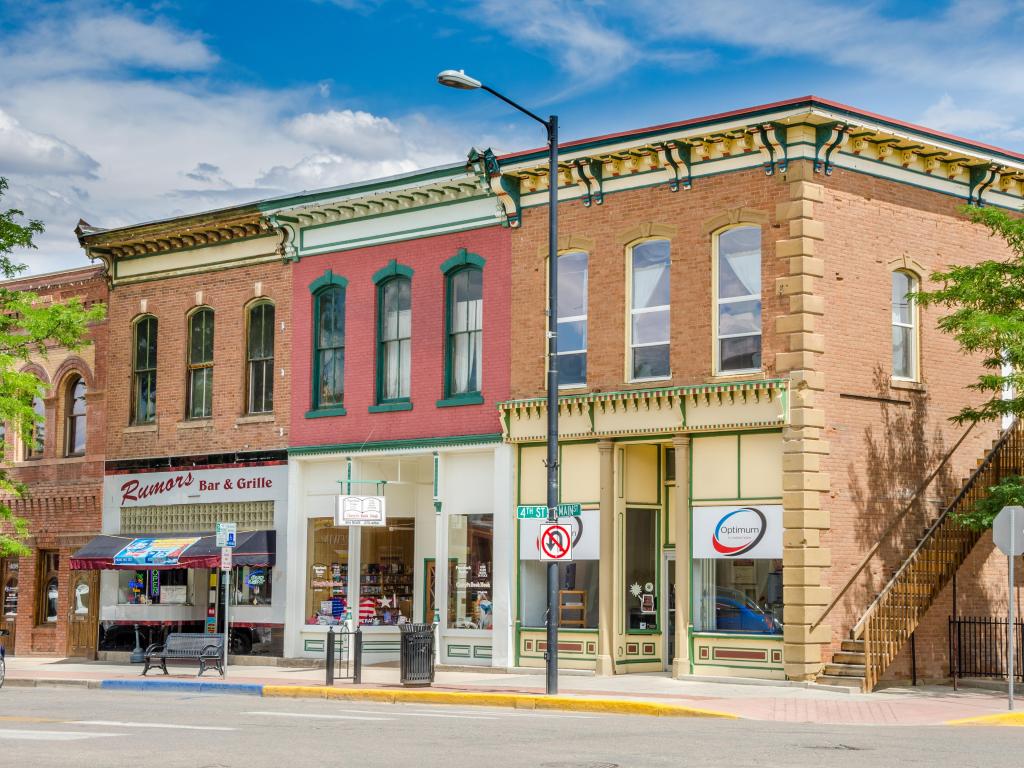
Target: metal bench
[{"x": 208, "y": 650}]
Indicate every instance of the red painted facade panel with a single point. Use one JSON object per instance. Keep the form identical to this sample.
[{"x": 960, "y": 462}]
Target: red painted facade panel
[{"x": 425, "y": 257}]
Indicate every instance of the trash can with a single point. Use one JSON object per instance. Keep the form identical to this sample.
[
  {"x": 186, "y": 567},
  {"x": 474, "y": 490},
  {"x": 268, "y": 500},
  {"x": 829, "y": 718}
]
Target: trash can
[{"x": 417, "y": 654}]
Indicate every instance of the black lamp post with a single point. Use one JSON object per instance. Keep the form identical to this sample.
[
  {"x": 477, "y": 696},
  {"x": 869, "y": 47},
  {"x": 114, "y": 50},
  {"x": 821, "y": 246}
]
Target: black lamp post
[{"x": 458, "y": 79}]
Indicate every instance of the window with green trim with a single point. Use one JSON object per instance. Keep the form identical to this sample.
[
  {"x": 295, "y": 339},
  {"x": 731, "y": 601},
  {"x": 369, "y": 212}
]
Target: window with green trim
[
  {"x": 394, "y": 339},
  {"x": 329, "y": 370},
  {"x": 738, "y": 296},
  {"x": 649, "y": 311},
  {"x": 200, "y": 364},
  {"x": 465, "y": 330},
  {"x": 144, "y": 371},
  {"x": 573, "y": 271},
  {"x": 259, "y": 353}
]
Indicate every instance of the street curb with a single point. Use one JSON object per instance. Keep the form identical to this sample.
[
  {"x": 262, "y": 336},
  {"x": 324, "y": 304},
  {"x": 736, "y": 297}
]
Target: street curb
[
  {"x": 513, "y": 700},
  {"x": 1003, "y": 718},
  {"x": 58, "y": 682},
  {"x": 198, "y": 686}
]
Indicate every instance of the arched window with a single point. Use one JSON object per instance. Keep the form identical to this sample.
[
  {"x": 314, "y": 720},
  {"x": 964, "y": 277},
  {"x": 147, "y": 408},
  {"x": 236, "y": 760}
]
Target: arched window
[
  {"x": 74, "y": 417},
  {"x": 573, "y": 274},
  {"x": 48, "y": 567},
  {"x": 465, "y": 330},
  {"x": 36, "y": 441},
  {"x": 144, "y": 371},
  {"x": 329, "y": 366},
  {"x": 394, "y": 363},
  {"x": 260, "y": 358},
  {"x": 904, "y": 326},
  {"x": 200, "y": 364},
  {"x": 649, "y": 310},
  {"x": 738, "y": 300}
]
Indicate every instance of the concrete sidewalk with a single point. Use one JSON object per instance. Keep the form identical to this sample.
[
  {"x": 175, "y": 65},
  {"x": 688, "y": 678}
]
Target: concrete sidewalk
[{"x": 779, "y": 702}]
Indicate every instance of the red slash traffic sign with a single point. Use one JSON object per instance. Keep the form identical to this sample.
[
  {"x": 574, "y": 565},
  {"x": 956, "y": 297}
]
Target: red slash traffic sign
[{"x": 555, "y": 542}]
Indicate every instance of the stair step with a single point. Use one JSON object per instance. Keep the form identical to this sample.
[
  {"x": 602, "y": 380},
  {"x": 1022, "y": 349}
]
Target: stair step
[
  {"x": 853, "y": 646},
  {"x": 844, "y": 682},
  {"x": 844, "y": 670},
  {"x": 848, "y": 657}
]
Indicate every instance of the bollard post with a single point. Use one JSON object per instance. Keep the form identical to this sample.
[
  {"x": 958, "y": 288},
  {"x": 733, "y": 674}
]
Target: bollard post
[
  {"x": 330, "y": 657},
  {"x": 357, "y": 658}
]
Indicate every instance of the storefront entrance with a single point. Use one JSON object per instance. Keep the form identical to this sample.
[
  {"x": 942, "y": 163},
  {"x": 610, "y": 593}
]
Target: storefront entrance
[
  {"x": 9, "y": 600},
  {"x": 83, "y": 614}
]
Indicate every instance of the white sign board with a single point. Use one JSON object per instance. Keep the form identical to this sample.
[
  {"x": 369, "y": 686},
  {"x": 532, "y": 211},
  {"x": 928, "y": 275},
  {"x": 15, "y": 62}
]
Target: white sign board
[
  {"x": 555, "y": 542},
  {"x": 225, "y": 558},
  {"x": 586, "y": 536},
  {"x": 196, "y": 486},
  {"x": 227, "y": 534},
  {"x": 1008, "y": 531},
  {"x": 749, "y": 532},
  {"x": 360, "y": 510}
]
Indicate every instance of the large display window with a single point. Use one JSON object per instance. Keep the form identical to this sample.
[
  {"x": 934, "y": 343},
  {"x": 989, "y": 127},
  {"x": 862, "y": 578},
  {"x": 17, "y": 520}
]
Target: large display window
[
  {"x": 471, "y": 566},
  {"x": 577, "y": 593},
  {"x": 154, "y": 587},
  {"x": 386, "y": 573},
  {"x": 641, "y": 583},
  {"x": 251, "y": 585},
  {"x": 741, "y": 596},
  {"x": 327, "y": 577}
]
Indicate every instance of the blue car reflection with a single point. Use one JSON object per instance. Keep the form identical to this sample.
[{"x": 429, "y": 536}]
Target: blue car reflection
[{"x": 735, "y": 612}]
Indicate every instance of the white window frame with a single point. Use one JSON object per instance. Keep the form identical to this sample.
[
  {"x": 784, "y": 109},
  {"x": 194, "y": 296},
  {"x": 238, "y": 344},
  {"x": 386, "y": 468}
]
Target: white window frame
[
  {"x": 716, "y": 337},
  {"x": 630, "y": 345},
  {"x": 914, "y": 325},
  {"x": 575, "y": 319}
]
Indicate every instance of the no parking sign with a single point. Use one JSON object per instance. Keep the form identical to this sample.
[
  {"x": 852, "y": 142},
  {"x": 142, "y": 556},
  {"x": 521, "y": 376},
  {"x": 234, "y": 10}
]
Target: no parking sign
[{"x": 555, "y": 542}]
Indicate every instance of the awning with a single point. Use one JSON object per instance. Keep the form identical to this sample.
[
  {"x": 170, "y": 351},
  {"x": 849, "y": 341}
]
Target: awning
[{"x": 111, "y": 552}]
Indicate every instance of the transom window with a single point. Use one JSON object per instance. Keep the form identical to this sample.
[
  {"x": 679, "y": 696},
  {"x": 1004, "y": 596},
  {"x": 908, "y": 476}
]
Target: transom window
[
  {"x": 904, "y": 326},
  {"x": 395, "y": 336},
  {"x": 329, "y": 309},
  {"x": 573, "y": 273},
  {"x": 738, "y": 293},
  {"x": 144, "y": 372},
  {"x": 649, "y": 311},
  {"x": 260, "y": 358},
  {"x": 74, "y": 419},
  {"x": 465, "y": 330},
  {"x": 200, "y": 364}
]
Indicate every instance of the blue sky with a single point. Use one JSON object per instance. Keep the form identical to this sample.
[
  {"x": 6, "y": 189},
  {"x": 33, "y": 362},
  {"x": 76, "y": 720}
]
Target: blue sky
[{"x": 119, "y": 113}]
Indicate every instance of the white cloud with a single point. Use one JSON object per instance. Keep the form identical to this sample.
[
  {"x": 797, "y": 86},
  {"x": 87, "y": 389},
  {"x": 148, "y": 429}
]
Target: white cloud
[
  {"x": 348, "y": 132},
  {"x": 25, "y": 151}
]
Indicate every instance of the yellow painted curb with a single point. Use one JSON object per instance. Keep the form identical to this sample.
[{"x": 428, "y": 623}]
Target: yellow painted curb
[
  {"x": 1003, "y": 718},
  {"x": 515, "y": 700}
]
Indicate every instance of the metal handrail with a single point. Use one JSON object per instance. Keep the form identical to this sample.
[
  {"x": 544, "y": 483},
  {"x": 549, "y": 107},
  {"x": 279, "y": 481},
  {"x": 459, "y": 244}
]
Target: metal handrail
[
  {"x": 891, "y": 527},
  {"x": 926, "y": 539}
]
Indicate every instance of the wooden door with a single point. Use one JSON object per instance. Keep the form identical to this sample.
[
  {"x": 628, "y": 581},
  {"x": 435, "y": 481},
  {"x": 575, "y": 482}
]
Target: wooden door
[
  {"x": 83, "y": 613},
  {"x": 8, "y": 600}
]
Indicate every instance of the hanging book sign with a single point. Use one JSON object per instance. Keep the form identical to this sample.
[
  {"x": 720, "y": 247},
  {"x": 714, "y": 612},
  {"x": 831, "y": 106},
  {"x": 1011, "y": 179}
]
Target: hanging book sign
[{"x": 360, "y": 510}]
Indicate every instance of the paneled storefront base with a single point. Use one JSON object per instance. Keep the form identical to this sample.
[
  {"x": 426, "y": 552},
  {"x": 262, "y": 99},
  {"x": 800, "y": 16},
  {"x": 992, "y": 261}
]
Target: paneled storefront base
[
  {"x": 725, "y": 655},
  {"x": 577, "y": 649}
]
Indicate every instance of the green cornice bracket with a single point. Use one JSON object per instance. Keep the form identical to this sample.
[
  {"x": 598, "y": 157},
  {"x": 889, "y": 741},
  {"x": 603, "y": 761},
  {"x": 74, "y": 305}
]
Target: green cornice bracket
[
  {"x": 463, "y": 259},
  {"x": 827, "y": 139},
  {"x": 982, "y": 177},
  {"x": 392, "y": 269},
  {"x": 783, "y": 142},
  {"x": 503, "y": 186},
  {"x": 326, "y": 279}
]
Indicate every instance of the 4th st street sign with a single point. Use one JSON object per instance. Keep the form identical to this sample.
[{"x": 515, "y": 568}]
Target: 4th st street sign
[{"x": 540, "y": 512}]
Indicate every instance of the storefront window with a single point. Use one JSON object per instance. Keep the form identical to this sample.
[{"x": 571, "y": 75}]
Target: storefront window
[
  {"x": 49, "y": 565},
  {"x": 386, "y": 577},
  {"x": 327, "y": 578},
  {"x": 470, "y": 556},
  {"x": 251, "y": 585},
  {"x": 641, "y": 584},
  {"x": 742, "y": 596},
  {"x": 577, "y": 593},
  {"x": 153, "y": 587}
]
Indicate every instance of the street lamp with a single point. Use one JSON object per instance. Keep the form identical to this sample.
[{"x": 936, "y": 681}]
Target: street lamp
[{"x": 456, "y": 78}]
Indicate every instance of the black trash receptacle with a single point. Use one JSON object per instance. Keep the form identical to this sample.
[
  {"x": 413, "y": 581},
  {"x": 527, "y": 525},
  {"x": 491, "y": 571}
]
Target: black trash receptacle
[{"x": 417, "y": 654}]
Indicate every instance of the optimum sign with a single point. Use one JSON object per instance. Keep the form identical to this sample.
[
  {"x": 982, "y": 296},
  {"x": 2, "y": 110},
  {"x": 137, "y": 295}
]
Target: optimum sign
[{"x": 729, "y": 532}]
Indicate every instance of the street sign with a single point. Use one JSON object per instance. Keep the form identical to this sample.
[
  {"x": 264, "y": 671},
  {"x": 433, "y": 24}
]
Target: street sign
[
  {"x": 225, "y": 558},
  {"x": 555, "y": 542},
  {"x": 1008, "y": 531},
  {"x": 540, "y": 512},
  {"x": 227, "y": 533}
]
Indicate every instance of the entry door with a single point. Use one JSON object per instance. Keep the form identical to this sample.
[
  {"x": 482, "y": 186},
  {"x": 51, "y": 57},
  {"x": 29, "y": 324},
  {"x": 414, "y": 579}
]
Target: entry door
[
  {"x": 669, "y": 617},
  {"x": 8, "y": 600},
  {"x": 83, "y": 613}
]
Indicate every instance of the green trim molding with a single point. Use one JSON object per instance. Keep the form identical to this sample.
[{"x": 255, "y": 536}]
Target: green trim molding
[
  {"x": 393, "y": 445},
  {"x": 326, "y": 279},
  {"x": 469, "y": 398},
  {"x": 402, "y": 405},
  {"x": 463, "y": 259},
  {"x": 321, "y": 413},
  {"x": 392, "y": 269}
]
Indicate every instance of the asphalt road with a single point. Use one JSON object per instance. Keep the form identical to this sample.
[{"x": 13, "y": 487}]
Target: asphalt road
[{"x": 70, "y": 727}]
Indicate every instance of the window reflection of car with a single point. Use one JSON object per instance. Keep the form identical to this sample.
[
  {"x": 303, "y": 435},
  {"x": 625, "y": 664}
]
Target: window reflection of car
[{"x": 735, "y": 612}]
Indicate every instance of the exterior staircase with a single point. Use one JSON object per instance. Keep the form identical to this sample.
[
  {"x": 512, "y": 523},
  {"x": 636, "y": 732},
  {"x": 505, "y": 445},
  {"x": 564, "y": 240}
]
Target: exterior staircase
[{"x": 891, "y": 618}]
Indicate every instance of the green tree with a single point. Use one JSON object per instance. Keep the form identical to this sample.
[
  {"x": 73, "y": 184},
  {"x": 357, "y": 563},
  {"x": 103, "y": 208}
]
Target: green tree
[
  {"x": 987, "y": 319},
  {"x": 27, "y": 327}
]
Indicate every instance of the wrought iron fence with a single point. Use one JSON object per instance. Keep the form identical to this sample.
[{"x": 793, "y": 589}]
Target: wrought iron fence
[
  {"x": 977, "y": 648},
  {"x": 344, "y": 655}
]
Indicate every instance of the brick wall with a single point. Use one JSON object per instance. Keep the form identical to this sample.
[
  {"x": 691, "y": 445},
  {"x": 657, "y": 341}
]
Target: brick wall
[
  {"x": 228, "y": 292},
  {"x": 424, "y": 256},
  {"x": 885, "y": 439}
]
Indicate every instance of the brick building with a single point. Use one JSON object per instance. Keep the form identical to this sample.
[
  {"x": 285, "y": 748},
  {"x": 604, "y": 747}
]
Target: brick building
[
  {"x": 735, "y": 345},
  {"x": 49, "y": 608},
  {"x": 200, "y": 309}
]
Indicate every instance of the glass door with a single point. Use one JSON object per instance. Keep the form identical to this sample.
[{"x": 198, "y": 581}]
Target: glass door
[{"x": 670, "y": 609}]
